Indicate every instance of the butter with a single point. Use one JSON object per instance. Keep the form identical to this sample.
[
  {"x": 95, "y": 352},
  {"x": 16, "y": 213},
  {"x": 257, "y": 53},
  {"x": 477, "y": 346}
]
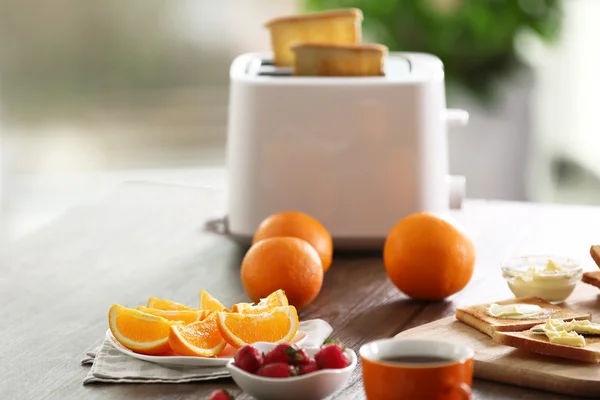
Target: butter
[
  {"x": 567, "y": 338},
  {"x": 585, "y": 327},
  {"x": 551, "y": 282},
  {"x": 552, "y": 267},
  {"x": 515, "y": 311},
  {"x": 566, "y": 333}
]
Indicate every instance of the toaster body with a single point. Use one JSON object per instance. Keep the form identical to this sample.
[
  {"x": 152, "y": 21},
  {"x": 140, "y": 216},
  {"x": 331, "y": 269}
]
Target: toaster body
[{"x": 358, "y": 154}]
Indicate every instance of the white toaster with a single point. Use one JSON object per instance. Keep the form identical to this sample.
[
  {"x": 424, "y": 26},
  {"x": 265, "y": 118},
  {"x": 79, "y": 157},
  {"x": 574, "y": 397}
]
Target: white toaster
[{"x": 357, "y": 153}]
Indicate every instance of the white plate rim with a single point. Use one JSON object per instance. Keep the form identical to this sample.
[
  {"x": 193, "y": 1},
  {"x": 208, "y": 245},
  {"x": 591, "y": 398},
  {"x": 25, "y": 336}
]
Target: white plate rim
[{"x": 181, "y": 361}]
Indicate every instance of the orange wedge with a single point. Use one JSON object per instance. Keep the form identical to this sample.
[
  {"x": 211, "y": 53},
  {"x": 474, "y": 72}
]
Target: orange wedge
[
  {"x": 208, "y": 302},
  {"x": 160, "y": 304},
  {"x": 275, "y": 299},
  {"x": 200, "y": 338},
  {"x": 276, "y": 326},
  {"x": 138, "y": 331},
  {"x": 185, "y": 316}
]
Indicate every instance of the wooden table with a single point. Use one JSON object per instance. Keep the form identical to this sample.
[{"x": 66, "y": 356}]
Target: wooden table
[{"x": 57, "y": 284}]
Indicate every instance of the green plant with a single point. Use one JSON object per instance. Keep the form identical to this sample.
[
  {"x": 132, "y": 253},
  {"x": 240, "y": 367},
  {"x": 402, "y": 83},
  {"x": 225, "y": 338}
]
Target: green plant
[{"x": 474, "y": 38}]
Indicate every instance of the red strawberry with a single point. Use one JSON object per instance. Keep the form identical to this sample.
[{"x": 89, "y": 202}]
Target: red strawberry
[
  {"x": 287, "y": 353},
  {"x": 220, "y": 395},
  {"x": 332, "y": 356},
  {"x": 308, "y": 368},
  {"x": 277, "y": 370},
  {"x": 248, "y": 358}
]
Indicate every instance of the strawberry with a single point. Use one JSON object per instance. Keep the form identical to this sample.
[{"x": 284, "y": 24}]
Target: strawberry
[
  {"x": 308, "y": 368},
  {"x": 277, "y": 370},
  {"x": 220, "y": 395},
  {"x": 331, "y": 355},
  {"x": 248, "y": 358},
  {"x": 286, "y": 353}
]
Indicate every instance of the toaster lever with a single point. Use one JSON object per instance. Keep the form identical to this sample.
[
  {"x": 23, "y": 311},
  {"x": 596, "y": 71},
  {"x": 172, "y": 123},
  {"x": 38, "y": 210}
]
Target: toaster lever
[{"x": 456, "y": 117}]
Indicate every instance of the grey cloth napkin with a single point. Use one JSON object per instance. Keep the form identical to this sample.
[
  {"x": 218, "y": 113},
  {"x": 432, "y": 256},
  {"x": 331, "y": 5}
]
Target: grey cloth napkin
[{"x": 109, "y": 365}]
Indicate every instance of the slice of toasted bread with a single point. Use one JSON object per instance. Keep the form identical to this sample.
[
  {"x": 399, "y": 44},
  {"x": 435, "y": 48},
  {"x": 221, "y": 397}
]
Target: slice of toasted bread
[
  {"x": 595, "y": 253},
  {"x": 527, "y": 340},
  {"x": 591, "y": 278},
  {"x": 331, "y": 27},
  {"x": 315, "y": 59},
  {"x": 477, "y": 317}
]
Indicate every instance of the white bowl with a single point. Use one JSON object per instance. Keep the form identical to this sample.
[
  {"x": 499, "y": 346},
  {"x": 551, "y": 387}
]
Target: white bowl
[
  {"x": 553, "y": 287},
  {"x": 314, "y": 386}
]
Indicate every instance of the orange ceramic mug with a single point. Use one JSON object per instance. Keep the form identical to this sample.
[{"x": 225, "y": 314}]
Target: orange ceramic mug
[{"x": 417, "y": 369}]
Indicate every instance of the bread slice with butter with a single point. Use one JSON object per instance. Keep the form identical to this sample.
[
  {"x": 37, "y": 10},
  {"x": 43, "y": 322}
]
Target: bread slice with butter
[
  {"x": 530, "y": 341},
  {"x": 591, "y": 278},
  {"x": 595, "y": 253},
  {"x": 477, "y": 316},
  {"x": 319, "y": 59},
  {"x": 342, "y": 26}
]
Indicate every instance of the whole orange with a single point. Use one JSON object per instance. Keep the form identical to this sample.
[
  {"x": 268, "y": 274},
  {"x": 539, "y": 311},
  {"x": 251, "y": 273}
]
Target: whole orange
[
  {"x": 428, "y": 257},
  {"x": 299, "y": 225},
  {"x": 286, "y": 263}
]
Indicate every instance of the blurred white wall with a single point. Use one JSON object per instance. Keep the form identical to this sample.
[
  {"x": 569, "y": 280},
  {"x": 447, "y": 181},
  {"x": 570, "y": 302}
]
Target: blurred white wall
[
  {"x": 92, "y": 94},
  {"x": 117, "y": 85},
  {"x": 233, "y": 25},
  {"x": 566, "y": 105}
]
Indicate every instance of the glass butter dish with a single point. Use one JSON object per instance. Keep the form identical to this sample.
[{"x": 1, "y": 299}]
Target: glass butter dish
[{"x": 547, "y": 277}]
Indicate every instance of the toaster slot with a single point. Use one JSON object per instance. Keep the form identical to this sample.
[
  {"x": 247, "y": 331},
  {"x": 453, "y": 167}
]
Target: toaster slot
[
  {"x": 267, "y": 68},
  {"x": 396, "y": 67},
  {"x": 271, "y": 70}
]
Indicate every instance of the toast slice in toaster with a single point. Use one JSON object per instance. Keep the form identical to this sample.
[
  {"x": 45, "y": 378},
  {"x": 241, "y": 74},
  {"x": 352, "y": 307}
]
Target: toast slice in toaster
[
  {"x": 537, "y": 343},
  {"x": 477, "y": 316},
  {"x": 314, "y": 59},
  {"x": 332, "y": 27}
]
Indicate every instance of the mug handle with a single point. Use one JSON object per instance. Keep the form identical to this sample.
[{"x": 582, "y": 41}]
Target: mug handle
[{"x": 464, "y": 389}]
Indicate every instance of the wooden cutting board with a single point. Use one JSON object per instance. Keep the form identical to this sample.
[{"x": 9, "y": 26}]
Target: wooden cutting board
[{"x": 505, "y": 364}]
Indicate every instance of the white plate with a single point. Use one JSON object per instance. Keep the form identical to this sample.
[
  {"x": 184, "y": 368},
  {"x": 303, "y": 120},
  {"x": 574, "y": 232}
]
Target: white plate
[{"x": 188, "y": 361}]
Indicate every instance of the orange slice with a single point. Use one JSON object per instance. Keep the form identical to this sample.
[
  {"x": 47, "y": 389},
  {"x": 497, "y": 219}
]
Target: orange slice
[
  {"x": 160, "y": 304},
  {"x": 138, "y": 331},
  {"x": 208, "y": 302},
  {"x": 275, "y": 299},
  {"x": 276, "y": 326},
  {"x": 185, "y": 316},
  {"x": 200, "y": 338}
]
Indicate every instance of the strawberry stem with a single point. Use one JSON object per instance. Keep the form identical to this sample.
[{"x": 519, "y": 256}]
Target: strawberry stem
[
  {"x": 293, "y": 354},
  {"x": 336, "y": 342}
]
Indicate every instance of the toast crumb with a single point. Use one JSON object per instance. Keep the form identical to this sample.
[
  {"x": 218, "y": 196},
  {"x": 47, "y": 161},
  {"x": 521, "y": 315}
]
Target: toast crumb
[{"x": 476, "y": 316}]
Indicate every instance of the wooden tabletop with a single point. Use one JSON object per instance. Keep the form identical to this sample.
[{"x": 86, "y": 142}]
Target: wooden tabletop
[{"x": 57, "y": 284}]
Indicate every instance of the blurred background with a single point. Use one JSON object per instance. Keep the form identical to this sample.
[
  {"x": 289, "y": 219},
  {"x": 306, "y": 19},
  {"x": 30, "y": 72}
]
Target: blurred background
[{"x": 97, "y": 93}]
